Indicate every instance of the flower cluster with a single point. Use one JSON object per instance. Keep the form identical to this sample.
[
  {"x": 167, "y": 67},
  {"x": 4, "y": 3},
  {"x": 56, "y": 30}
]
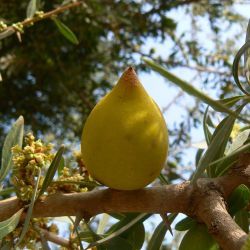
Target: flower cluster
[
  {"x": 33, "y": 234},
  {"x": 27, "y": 162},
  {"x": 68, "y": 182},
  {"x": 35, "y": 157}
]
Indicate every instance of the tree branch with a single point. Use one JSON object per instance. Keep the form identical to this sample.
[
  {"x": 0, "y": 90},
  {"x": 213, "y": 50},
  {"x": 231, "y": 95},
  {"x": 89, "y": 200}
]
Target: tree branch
[
  {"x": 54, "y": 238},
  {"x": 9, "y": 30},
  {"x": 204, "y": 200}
]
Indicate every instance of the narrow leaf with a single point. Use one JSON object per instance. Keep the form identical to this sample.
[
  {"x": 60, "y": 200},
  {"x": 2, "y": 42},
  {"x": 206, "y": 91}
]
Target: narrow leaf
[
  {"x": 240, "y": 139},
  {"x": 247, "y": 55},
  {"x": 124, "y": 221},
  {"x": 115, "y": 244},
  {"x": 10, "y": 224},
  {"x": 31, "y": 9},
  {"x": 159, "y": 234},
  {"x": 14, "y": 137},
  {"x": 7, "y": 191},
  {"x": 163, "y": 179},
  {"x": 241, "y": 218},
  {"x": 52, "y": 170},
  {"x": 231, "y": 101},
  {"x": 119, "y": 231},
  {"x": 225, "y": 162},
  {"x": 238, "y": 199},
  {"x": 185, "y": 224},
  {"x": 218, "y": 143},
  {"x": 88, "y": 236},
  {"x": 85, "y": 183},
  {"x": 198, "y": 156},
  {"x": 30, "y": 210},
  {"x": 61, "y": 166},
  {"x": 207, "y": 133},
  {"x": 135, "y": 236},
  {"x": 188, "y": 88},
  {"x": 77, "y": 233},
  {"x": 66, "y": 31},
  {"x": 235, "y": 67}
]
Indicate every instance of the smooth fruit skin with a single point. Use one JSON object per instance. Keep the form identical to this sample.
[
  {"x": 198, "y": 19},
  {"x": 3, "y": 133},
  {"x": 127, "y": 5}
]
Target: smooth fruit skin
[{"x": 125, "y": 139}]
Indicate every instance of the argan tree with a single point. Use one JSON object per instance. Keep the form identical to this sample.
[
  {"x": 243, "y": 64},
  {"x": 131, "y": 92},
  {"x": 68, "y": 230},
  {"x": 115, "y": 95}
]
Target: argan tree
[{"x": 39, "y": 185}]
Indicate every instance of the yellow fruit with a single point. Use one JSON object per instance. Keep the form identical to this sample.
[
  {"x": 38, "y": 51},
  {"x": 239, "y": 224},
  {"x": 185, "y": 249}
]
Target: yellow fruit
[{"x": 125, "y": 139}]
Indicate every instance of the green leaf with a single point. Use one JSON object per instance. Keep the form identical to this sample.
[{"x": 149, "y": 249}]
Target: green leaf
[
  {"x": 188, "y": 88},
  {"x": 14, "y": 137},
  {"x": 239, "y": 199},
  {"x": 206, "y": 130},
  {"x": 52, "y": 170},
  {"x": 198, "y": 156},
  {"x": 7, "y": 191},
  {"x": 135, "y": 236},
  {"x": 231, "y": 101},
  {"x": 115, "y": 244},
  {"x": 66, "y": 31},
  {"x": 31, "y": 9},
  {"x": 236, "y": 61},
  {"x": 89, "y": 236},
  {"x": 79, "y": 239},
  {"x": 157, "y": 238},
  {"x": 197, "y": 238},
  {"x": 117, "y": 230},
  {"x": 241, "y": 218},
  {"x": 61, "y": 166},
  {"x": 10, "y": 224},
  {"x": 217, "y": 146},
  {"x": 30, "y": 209},
  {"x": 163, "y": 179},
  {"x": 84, "y": 183},
  {"x": 240, "y": 139},
  {"x": 118, "y": 216},
  {"x": 185, "y": 224},
  {"x": 125, "y": 220},
  {"x": 225, "y": 162}
]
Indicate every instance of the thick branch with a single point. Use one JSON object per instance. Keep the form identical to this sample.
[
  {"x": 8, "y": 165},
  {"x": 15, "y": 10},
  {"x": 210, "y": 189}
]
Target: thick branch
[
  {"x": 204, "y": 200},
  {"x": 170, "y": 198},
  {"x": 213, "y": 212}
]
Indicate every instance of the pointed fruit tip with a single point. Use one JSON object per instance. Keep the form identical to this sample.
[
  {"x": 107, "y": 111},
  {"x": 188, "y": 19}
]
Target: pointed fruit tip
[{"x": 129, "y": 76}]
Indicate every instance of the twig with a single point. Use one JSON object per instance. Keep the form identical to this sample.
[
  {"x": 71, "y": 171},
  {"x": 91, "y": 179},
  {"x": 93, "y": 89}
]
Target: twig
[
  {"x": 166, "y": 108},
  {"x": 204, "y": 69},
  {"x": 54, "y": 238},
  {"x": 9, "y": 30}
]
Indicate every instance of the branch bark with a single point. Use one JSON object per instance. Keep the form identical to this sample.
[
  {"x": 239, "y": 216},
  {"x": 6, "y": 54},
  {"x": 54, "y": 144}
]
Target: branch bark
[
  {"x": 54, "y": 238},
  {"x": 204, "y": 200}
]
